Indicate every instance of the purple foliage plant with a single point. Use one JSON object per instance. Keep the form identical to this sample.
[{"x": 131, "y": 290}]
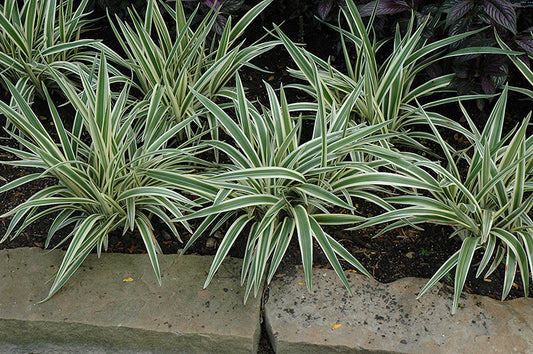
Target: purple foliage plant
[
  {"x": 222, "y": 7},
  {"x": 324, "y": 7},
  {"x": 483, "y": 72}
]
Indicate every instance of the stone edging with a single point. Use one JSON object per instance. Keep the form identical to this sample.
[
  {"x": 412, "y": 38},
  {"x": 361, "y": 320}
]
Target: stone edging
[
  {"x": 114, "y": 304},
  {"x": 388, "y": 318}
]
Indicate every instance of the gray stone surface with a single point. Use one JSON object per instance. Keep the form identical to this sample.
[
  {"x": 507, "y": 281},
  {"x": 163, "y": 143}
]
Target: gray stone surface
[
  {"x": 388, "y": 318},
  {"x": 98, "y": 312}
]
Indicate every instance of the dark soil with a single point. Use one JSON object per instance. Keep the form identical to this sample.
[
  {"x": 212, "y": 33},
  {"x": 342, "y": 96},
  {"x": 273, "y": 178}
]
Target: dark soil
[{"x": 402, "y": 253}]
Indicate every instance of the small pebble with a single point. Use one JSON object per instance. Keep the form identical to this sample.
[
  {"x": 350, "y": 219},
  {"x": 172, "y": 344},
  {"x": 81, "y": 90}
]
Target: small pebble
[
  {"x": 211, "y": 242},
  {"x": 166, "y": 236}
]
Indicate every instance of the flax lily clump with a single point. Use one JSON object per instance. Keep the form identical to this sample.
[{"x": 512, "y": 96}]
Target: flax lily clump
[
  {"x": 390, "y": 89},
  {"x": 281, "y": 172},
  {"x": 278, "y": 186},
  {"x": 101, "y": 186},
  {"x": 178, "y": 57},
  {"x": 42, "y": 39},
  {"x": 484, "y": 193}
]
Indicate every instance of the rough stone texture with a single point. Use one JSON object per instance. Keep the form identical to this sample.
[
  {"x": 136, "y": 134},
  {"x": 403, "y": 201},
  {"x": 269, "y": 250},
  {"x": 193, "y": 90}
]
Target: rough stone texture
[
  {"x": 97, "y": 311},
  {"x": 388, "y": 318}
]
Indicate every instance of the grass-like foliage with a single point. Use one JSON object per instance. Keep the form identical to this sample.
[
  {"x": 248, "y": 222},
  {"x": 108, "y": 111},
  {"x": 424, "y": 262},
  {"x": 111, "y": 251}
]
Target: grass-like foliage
[
  {"x": 184, "y": 56},
  {"x": 278, "y": 185},
  {"x": 484, "y": 193},
  {"x": 390, "y": 87},
  {"x": 282, "y": 171},
  {"x": 99, "y": 168},
  {"x": 41, "y": 37},
  {"x": 523, "y": 67}
]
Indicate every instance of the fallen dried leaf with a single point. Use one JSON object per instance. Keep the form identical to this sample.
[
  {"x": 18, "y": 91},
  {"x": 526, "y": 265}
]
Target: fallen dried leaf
[
  {"x": 127, "y": 280},
  {"x": 338, "y": 325}
]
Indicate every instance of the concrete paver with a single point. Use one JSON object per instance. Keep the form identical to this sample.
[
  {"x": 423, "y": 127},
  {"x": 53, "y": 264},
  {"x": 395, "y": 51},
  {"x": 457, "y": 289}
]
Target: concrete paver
[
  {"x": 114, "y": 303},
  {"x": 389, "y": 318}
]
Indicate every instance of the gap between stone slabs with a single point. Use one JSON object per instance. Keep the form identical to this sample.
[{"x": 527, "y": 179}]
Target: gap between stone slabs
[{"x": 114, "y": 303}]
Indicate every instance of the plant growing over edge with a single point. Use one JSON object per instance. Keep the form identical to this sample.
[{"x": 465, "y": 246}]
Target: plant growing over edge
[
  {"x": 277, "y": 187},
  {"x": 42, "y": 38},
  {"x": 488, "y": 205},
  {"x": 101, "y": 186},
  {"x": 187, "y": 59}
]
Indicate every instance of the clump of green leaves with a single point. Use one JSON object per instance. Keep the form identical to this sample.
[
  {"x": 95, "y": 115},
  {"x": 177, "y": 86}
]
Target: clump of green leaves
[
  {"x": 277, "y": 186},
  {"x": 101, "y": 181},
  {"x": 180, "y": 58},
  {"x": 389, "y": 89},
  {"x": 484, "y": 193},
  {"x": 42, "y": 39}
]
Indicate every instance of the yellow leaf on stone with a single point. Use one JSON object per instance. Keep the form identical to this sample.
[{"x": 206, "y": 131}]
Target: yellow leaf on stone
[
  {"x": 338, "y": 325},
  {"x": 300, "y": 283},
  {"x": 351, "y": 271},
  {"x": 126, "y": 280}
]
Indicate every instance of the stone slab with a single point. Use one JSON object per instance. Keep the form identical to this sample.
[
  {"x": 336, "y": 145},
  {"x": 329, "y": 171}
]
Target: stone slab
[
  {"x": 389, "y": 318},
  {"x": 98, "y": 311}
]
